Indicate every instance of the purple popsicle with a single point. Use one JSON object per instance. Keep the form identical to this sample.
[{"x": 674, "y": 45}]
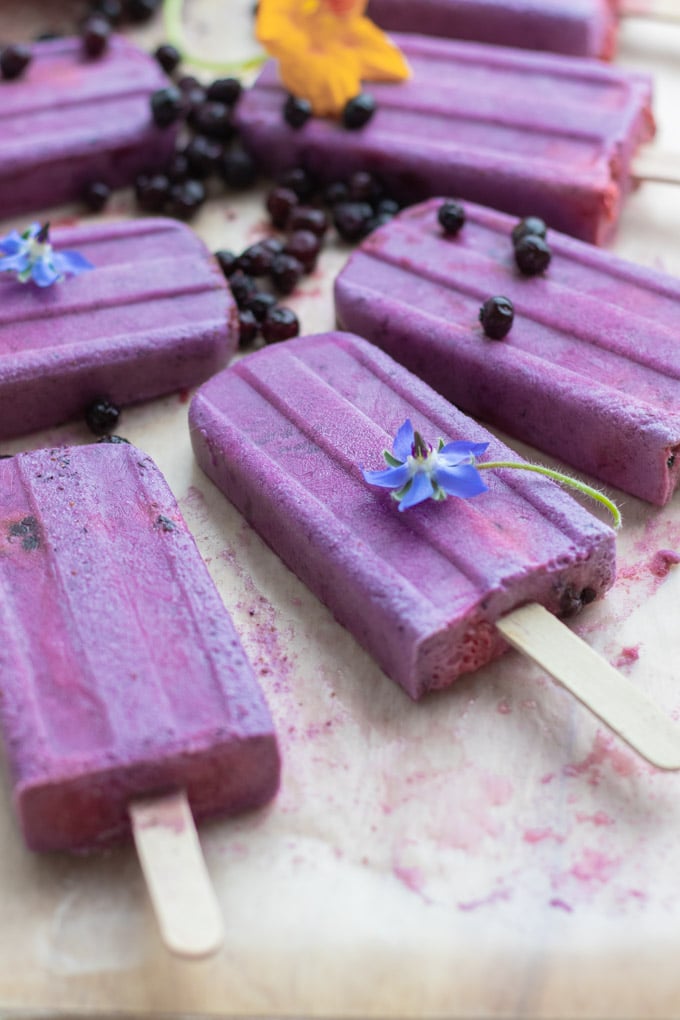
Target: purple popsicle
[
  {"x": 283, "y": 434},
  {"x": 154, "y": 315},
  {"x": 579, "y": 28},
  {"x": 69, "y": 121},
  {"x": 529, "y": 133},
  {"x": 588, "y": 372},
  {"x": 123, "y": 676}
]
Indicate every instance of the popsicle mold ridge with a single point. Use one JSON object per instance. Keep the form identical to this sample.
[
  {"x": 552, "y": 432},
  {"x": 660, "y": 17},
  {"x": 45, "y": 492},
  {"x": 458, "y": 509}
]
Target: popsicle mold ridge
[
  {"x": 529, "y": 133},
  {"x": 122, "y": 673},
  {"x": 153, "y": 316},
  {"x": 70, "y": 120},
  {"x": 589, "y": 371},
  {"x": 284, "y": 434}
]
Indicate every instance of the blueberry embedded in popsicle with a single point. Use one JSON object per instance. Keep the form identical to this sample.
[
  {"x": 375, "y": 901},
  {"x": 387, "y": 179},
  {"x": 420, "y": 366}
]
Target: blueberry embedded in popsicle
[
  {"x": 359, "y": 111},
  {"x": 296, "y": 112},
  {"x": 532, "y": 255},
  {"x": 451, "y": 217},
  {"x": 496, "y": 316},
  {"x": 14, "y": 60}
]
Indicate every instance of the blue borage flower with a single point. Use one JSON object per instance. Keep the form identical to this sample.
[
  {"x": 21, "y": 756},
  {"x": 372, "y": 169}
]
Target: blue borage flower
[
  {"x": 30, "y": 256},
  {"x": 417, "y": 472}
]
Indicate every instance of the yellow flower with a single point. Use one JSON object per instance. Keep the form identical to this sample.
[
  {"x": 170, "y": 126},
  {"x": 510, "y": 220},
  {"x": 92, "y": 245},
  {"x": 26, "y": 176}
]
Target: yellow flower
[{"x": 325, "y": 48}]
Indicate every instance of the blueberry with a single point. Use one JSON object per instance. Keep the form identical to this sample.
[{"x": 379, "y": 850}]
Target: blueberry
[
  {"x": 141, "y": 10},
  {"x": 296, "y": 112},
  {"x": 335, "y": 193},
  {"x": 185, "y": 199},
  {"x": 529, "y": 225},
  {"x": 257, "y": 259},
  {"x": 238, "y": 169},
  {"x": 532, "y": 255},
  {"x": 285, "y": 272},
  {"x": 102, "y": 416},
  {"x": 280, "y": 204},
  {"x": 496, "y": 316},
  {"x": 14, "y": 60},
  {"x": 243, "y": 287},
  {"x": 451, "y": 217},
  {"x": 214, "y": 120},
  {"x": 304, "y": 246},
  {"x": 152, "y": 192},
  {"x": 166, "y": 106},
  {"x": 203, "y": 156},
  {"x": 358, "y": 111},
  {"x": 363, "y": 187},
  {"x": 249, "y": 327},
  {"x": 299, "y": 181},
  {"x": 261, "y": 303},
  {"x": 351, "y": 219},
  {"x": 227, "y": 261},
  {"x": 168, "y": 57},
  {"x": 306, "y": 217},
  {"x": 179, "y": 168},
  {"x": 225, "y": 90},
  {"x": 113, "y": 439},
  {"x": 280, "y": 323},
  {"x": 96, "y": 195},
  {"x": 95, "y": 36},
  {"x": 112, "y": 10}
]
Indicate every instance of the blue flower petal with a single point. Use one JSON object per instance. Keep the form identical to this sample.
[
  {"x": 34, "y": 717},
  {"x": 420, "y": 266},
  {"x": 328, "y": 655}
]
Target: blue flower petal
[
  {"x": 421, "y": 489},
  {"x": 403, "y": 441},
  {"x": 71, "y": 263},
  {"x": 14, "y": 263},
  {"x": 44, "y": 273},
  {"x": 463, "y": 481},
  {"x": 390, "y": 478},
  {"x": 12, "y": 244},
  {"x": 460, "y": 449}
]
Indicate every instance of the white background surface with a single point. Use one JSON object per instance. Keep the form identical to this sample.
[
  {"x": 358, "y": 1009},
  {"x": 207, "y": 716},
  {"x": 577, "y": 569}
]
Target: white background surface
[{"x": 492, "y": 851}]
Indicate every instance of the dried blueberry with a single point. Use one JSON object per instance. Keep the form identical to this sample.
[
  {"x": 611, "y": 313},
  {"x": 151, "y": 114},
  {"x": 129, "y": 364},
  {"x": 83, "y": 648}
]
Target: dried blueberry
[
  {"x": 358, "y": 111},
  {"x": 451, "y": 217},
  {"x": 296, "y": 111},
  {"x": 496, "y": 316},
  {"x": 532, "y": 255}
]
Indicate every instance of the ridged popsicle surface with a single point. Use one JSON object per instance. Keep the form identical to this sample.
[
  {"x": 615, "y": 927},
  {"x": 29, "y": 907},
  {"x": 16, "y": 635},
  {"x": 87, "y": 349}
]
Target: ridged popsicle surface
[
  {"x": 154, "y": 315},
  {"x": 283, "y": 434},
  {"x": 70, "y": 120},
  {"x": 529, "y": 133},
  {"x": 589, "y": 371},
  {"x": 122, "y": 673}
]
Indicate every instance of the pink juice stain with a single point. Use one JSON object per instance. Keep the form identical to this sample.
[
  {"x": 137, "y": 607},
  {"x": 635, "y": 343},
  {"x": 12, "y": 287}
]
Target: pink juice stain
[
  {"x": 594, "y": 866},
  {"x": 627, "y": 656},
  {"x": 662, "y": 561}
]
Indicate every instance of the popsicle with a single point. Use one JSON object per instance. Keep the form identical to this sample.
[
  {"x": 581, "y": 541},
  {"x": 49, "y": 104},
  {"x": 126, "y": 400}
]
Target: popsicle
[
  {"x": 70, "y": 120},
  {"x": 580, "y": 28},
  {"x": 154, "y": 315},
  {"x": 123, "y": 676},
  {"x": 529, "y": 133},
  {"x": 588, "y": 371},
  {"x": 284, "y": 434}
]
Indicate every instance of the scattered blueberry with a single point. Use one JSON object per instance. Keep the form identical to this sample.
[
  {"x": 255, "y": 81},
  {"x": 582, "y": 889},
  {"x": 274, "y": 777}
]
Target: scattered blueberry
[
  {"x": 351, "y": 219},
  {"x": 285, "y": 272},
  {"x": 299, "y": 181},
  {"x": 304, "y": 246},
  {"x": 113, "y": 439},
  {"x": 112, "y": 10},
  {"x": 141, "y": 10},
  {"x": 496, "y": 316},
  {"x": 185, "y": 199},
  {"x": 14, "y": 60},
  {"x": 280, "y": 204},
  {"x": 249, "y": 327},
  {"x": 260, "y": 303},
  {"x": 95, "y": 36},
  {"x": 451, "y": 217},
  {"x": 306, "y": 217},
  {"x": 96, "y": 195},
  {"x": 214, "y": 120},
  {"x": 529, "y": 225},
  {"x": 166, "y": 106},
  {"x": 335, "y": 193},
  {"x": 168, "y": 57},
  {"x": 203, "y": 156},
  {"x": 532, "y": 255},
  {"x": 257, "y": 259},
  {"x": 243, "y": 287},
  {"x": 297, "y": 112},
  {"x": 225, "y": 90},
  {"x": 387, "y": 207},
  {"x": 102, "y": 416},
  {"x": 280, "y": 323},
  {"x": 238, "y": 169},
  {"x": 179, "y": 168},
  {"x": 152, "y": 192},
  {"x": 363, "y": 187},
  {"x": 358, "y": 111},
  {"x": 227, "y": 261}
]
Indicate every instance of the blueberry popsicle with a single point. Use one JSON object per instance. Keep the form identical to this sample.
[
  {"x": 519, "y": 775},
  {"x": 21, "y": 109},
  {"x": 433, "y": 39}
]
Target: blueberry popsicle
[
  {"x": 428, "y": 593},
  {"x": 529, "y": 133},
  {"x": 588, "y": 371},
  {"x": 127, "y": 700},
  {"x": 153, "y": 315},
  {"x": 122, "y": 673},
  {"x": 580, "y": 28},
  {"x": 69, "y": 121}
]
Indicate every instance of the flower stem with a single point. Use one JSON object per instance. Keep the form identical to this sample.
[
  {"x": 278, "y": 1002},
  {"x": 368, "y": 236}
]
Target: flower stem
[
  {"x": 172, "y": 12},
  {"x": 573, "y": 483}
]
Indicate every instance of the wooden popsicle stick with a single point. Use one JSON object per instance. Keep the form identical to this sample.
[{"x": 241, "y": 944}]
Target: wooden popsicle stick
[
  {"x": 656, "y": 165},
  {"x": 657, "y": 10},
  {"x": 176, "y": 875},
  {"x": 609, "y": 695}
]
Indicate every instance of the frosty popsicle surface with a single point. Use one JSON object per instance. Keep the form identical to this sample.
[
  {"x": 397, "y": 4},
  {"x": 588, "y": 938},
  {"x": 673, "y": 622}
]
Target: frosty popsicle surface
[
  {"x": 580, "y": 28},
  {"x": 283, "y": 434},
  {"x": 528, "y": 133},
  {"x": 588, "y": 372},
  {"x": 123, "y": 676},
  {"x": 153, "y": 315},
  {"x": 70, "y": 120}
]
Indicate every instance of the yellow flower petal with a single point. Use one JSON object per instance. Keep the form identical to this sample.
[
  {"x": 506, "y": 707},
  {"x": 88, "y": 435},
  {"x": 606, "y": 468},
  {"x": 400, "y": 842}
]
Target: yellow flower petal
[
  {"x": 327, "y": 85},
  {"x": 379, "y": 59}
]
